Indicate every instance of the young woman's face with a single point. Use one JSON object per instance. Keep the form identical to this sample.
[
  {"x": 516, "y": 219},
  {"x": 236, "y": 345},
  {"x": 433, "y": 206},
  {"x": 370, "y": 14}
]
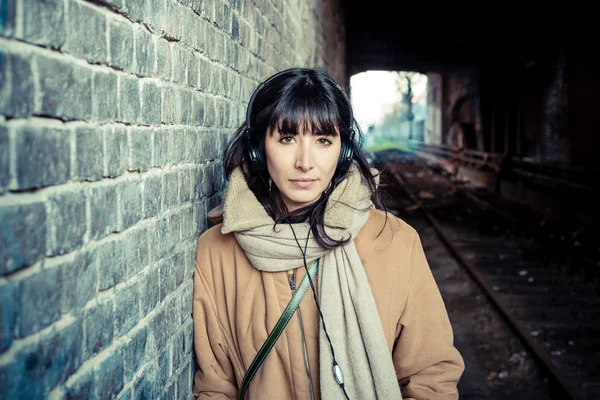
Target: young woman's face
[{"x": 301, "y": 165}]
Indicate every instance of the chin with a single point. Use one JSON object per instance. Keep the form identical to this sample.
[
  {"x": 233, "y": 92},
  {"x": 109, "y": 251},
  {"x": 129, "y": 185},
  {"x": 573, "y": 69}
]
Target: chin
[{"x": 301, "y": 201}]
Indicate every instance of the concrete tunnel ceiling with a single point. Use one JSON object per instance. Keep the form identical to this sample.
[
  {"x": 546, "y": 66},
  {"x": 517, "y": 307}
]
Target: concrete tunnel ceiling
[{"x": 390, "y": 35}]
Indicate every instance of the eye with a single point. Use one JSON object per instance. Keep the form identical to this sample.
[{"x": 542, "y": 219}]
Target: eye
[
  {"x": 323, "y": 142},
  {"x": 287, "y": 140}
]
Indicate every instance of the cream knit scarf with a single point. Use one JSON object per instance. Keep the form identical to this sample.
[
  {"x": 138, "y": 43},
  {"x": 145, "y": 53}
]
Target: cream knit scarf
[{"x": 345, "y": 296}]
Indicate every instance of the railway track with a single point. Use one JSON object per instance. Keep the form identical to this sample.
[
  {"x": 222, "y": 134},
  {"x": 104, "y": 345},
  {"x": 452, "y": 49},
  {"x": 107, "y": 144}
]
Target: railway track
[{"x": 552, "y": 309}]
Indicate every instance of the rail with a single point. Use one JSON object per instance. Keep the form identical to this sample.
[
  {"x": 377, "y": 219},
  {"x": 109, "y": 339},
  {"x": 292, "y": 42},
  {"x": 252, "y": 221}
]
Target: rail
[{"x": 467, "y": 157}]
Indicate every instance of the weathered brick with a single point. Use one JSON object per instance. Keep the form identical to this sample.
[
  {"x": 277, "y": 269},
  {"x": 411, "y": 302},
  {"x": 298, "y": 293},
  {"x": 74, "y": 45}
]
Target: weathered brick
[
  {"x": 120, "y": 43},
  {"x": 218, "y": 47},
  {"x": 130, "y": 254},
  {"x": 104, "y": 96},
  {"x": 160, "y": 329},
  {"x": 197, "y": 109},
  {"x": 220, "y": 14},
  {"x": 152, "y": 196},
  {"x": 43, "y": 156},
  {"x": 98, "y": 325},
  {"x": 215, "y": 79},
  {"x": 145, "y": 53},
  {"x": 162, "y": 146},
  {"x": 188, "y": 224},
  {"x": 134, "y": 351},
  {"x": 66, "y": 217},
  {"x": 185, "y": 183},
  {"x": 210, "y": 42},
  {"x": 116, "y": 152},
  {"x": 162, "y": 366},
  {"x": 86, "y": 32},
  {"x": 170, "y": 392},
  {"x": 184, "y": 106},
  {"x": 80, "y": 276},
  {"x": 164, "y": 65},
  {"x": 4, "y": 158},
  {"x": 7, "y": 17},
  {"x": 66, "y": 88},
  {"x": 176, "y": 20},
  {"x": 197, "y": 183},
  {"x": 117, "y": 4},
  {"x": 39, "y": 296},
  {"x": 111, "y": 262},
  {"x": 44, "y": 22},
  {"x": 169, "y": 95},
  {"x": 108, "y": 377},
  {"x": 127, "y": 311},
  {"x": 145, "y": 386},
  {"x": 7, "y": 315},
  {"x": 209, "y": 111},
  {"x": 180, "y": 61},
  {"x": 89, "y": 160},
  {"x": 208, "y": 9},
  {"x": 181, "y": 350},
  {"x": 178, "y": 263},
  {"x": 151, "y": 105},
  {"x": 179, "y": 145},
  {"x": 167, "y": 280},
  {"x": 176, "y": 351},
  {"x": 129, "y": 99},
  {"x": 102, "y": 210},
  {"x": 150, "y": 12},
  {"x": 16, "y": 84},
  {"x": 170, "y": 189},
  {"x": 130, "y": 203},
  {"x": 235, "y": 27},
  {"x": 149, "y": 291},
  {"x": 184, "y": 386},
  {"x": 173, "y": 231},
  {"x": 125, "y": 394},
  {"x": 224, "y": 83},
  {"x": 80, "y": 385},
  {"x": 140, "y": 148},
  {"x": 45, "y": 363},
  {"x": 192, "y": 71},
  {"x": 198, "y": 35},
  {"x": 22, "y": 235},
  {"x": 188, "y": 289},
  {"x": 204, "y": 74}
]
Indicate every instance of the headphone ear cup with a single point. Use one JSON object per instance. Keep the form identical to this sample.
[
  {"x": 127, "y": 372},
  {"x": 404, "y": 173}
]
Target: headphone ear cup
[
  {"x": 256, "y": 158},
  {"x": 346, "y": 153},
  {"x": 345, "y": 159}
]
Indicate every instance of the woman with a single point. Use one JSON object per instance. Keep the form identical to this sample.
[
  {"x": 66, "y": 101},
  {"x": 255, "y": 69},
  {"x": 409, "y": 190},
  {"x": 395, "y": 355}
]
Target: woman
[{"x": 300, "y": 192}]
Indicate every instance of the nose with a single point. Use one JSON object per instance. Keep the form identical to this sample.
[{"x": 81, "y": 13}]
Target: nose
[{"x": 304, "y": 157}]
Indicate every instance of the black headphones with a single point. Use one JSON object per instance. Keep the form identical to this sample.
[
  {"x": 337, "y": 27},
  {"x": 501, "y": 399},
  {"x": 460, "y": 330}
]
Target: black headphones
[{"x": 347, "y": 149}]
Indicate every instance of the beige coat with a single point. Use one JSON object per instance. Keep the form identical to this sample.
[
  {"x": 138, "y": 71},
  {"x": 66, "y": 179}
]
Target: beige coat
[{"x": 235, "y": 306}]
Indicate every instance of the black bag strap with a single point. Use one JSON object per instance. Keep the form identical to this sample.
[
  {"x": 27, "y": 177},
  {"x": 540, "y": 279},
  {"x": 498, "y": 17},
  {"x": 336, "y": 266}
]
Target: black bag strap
[{"x": 278, "y": 328}]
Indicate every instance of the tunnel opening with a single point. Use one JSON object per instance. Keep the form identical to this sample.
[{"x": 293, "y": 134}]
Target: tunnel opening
[{"x": 391, "y": 108}]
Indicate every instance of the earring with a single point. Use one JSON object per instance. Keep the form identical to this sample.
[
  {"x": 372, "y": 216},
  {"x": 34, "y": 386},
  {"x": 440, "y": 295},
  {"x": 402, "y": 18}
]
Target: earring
[
  {"x": 329, "y": 187},
  {"x": 270, "y": 182}
]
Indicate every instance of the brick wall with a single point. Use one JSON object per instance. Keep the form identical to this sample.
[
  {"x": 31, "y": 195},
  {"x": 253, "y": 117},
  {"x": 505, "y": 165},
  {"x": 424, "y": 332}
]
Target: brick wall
[{"x": 113, "y": 118}]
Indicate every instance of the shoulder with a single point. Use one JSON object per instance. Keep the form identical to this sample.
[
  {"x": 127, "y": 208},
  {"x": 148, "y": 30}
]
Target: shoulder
[
  {"x": 384, "y": 227},
  {"x": 386, "y": 239},
  {"x": 213, "y": 238},
  {"x": 213, "y": 244}
]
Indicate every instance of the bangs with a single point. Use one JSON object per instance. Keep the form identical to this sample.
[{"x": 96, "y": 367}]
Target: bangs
[{"x": 317, "y": 115}]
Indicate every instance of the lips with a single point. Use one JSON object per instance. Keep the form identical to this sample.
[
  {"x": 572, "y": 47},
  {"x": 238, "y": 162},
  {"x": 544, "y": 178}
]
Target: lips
[{"x": 303, "y": 183}]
